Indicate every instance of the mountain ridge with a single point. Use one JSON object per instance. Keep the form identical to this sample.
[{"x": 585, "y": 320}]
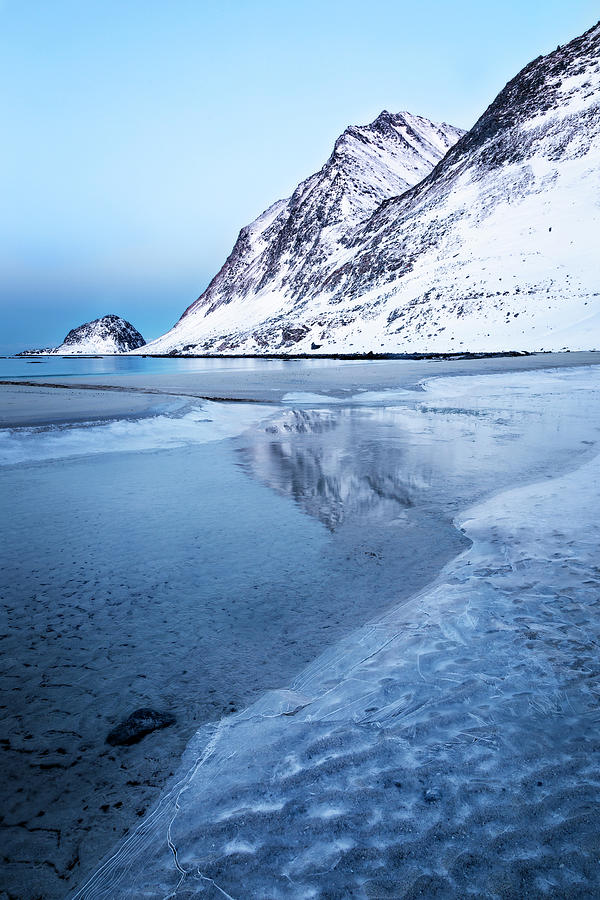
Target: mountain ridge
[
  {"x": 297, "y": 236},
  {"x": 492, "y": 250}
]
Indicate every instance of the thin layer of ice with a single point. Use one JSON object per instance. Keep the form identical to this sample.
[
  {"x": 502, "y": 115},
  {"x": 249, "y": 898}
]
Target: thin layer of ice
[
  {"x": 371, "y": 398},
  {"x": 306, "y": 398}
]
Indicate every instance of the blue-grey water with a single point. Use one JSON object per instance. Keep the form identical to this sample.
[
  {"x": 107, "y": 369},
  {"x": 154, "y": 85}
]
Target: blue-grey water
[{"x": 41, "y": 367}]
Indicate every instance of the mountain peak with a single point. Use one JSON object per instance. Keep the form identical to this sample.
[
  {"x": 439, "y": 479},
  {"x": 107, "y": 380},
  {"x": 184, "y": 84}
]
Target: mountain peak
[
  {"x": 387, "y": 118},
  {"x": 415, "y": 143},
  {"x": 108, "y": 334},
  {"x": 278, "y": 257}
]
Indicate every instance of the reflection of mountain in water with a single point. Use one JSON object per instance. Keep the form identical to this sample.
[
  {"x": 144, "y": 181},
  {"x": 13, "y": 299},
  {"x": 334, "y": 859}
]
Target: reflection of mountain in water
[
  {"x": 332, "y": 466},
  {"x": 369, "y": 463}
]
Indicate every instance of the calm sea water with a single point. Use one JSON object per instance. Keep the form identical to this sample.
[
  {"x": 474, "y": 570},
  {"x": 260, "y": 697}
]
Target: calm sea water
[{"x": 71, "y": 366}]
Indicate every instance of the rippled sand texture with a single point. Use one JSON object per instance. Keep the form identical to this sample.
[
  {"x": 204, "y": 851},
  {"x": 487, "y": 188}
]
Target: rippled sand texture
[{"x": 450, "y": 748}]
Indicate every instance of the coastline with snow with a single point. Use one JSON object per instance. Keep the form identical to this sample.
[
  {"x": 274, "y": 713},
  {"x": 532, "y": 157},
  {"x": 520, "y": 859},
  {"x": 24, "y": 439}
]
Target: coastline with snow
[{"x": 365, "y": 490}]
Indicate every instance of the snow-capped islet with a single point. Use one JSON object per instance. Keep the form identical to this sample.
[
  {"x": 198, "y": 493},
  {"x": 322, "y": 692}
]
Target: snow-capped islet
[{"x": 108, "y": 335}]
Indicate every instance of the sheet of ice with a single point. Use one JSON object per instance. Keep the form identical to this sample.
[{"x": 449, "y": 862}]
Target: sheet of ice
[
  {"x": 382, "y": 397},
  {"x": 209, "y": 422},
  {"x": 455, "y": 441},
  {"x": 447, "y": 749},
  {"x": 306, "y": 398}
]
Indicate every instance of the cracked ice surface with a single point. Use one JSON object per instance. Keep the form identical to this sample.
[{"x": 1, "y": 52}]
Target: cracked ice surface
[{"x": 449, "y": 748}]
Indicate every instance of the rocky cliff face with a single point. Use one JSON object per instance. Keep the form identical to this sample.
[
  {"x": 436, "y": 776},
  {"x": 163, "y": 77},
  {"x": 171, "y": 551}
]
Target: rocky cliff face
[
  {"x": 496, "y": 248},
  {"x": 110, "y": 334},
  {"x": 292, "y": 245}
]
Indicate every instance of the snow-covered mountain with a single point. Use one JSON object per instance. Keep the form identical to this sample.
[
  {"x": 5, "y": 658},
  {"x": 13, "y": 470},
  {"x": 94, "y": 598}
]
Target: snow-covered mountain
[
  {"x": 290, "y": 247},
  {"x": 110, "y": 334},
  {"x": 495, "y": 249}
]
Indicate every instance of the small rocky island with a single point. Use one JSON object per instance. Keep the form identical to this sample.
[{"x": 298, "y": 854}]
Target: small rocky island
[{"x": 108, "y": 335}]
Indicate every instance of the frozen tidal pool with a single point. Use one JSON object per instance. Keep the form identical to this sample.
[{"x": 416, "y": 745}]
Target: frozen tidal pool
[{"x": 376, "y": 622}]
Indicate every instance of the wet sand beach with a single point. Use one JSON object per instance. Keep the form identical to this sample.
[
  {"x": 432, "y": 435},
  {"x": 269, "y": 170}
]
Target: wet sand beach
[
  {"x": 31, "y": 404},
  {"x": 174, "y": 608}
]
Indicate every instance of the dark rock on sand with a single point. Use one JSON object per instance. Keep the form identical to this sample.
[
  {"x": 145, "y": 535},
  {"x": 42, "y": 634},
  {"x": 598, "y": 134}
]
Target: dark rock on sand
[{"x": 138, "y": 725}]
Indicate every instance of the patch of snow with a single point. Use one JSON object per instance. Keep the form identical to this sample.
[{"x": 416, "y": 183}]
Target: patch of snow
[{"x": 213, "y": 421}]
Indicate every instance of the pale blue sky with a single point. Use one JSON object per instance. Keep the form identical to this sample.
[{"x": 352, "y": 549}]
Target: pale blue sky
[{"x": 139, "y": 136}]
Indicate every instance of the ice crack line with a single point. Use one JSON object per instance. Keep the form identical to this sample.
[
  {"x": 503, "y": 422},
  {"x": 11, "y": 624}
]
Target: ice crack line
[{"x": 208, "y": 752}]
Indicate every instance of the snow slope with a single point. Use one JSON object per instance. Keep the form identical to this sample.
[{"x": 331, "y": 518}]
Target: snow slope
[
  {"x": 291, "y": 245},
  {"x": 495, "y": 249}
]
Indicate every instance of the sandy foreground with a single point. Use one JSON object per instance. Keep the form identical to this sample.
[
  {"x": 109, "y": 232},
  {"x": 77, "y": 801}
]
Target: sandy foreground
[{"x": 398, "y": 751}]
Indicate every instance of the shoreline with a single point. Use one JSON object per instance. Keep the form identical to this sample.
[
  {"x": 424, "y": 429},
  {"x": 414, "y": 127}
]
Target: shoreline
[
  {"x": 137, "y": 635},
  {"x": 370, "y": 355},
  {"x": 103, "y": 396},
  {"x": 32, "y": 404}
]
